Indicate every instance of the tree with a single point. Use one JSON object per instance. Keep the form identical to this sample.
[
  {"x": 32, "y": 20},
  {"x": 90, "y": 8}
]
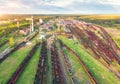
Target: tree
[{"x": 11, "y": 41}]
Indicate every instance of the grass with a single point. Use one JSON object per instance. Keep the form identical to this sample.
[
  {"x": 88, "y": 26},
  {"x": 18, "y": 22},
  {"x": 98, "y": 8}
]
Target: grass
[
  {"x": 104, "y": 16},
  {"x": 28, "y": 75},
  {"x": 78, "y": 70},
  {"x": 61, "y": 58},
  {"x": 117, "y": 66},
  {"x": 117, "y": 40},
  {"x": 99, "y": 71},
  {"x": 49, "y": 63},
  {"x": 107, "y": 21},
  {"x": 4, "y": 47},
  {"x": 17, "y": 40},
  {"x": 115, "y": 34},
  {"x": 8, "y": 66}
]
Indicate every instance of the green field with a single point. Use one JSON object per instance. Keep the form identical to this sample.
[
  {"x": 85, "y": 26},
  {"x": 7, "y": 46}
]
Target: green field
[
  {"x": 117, "y": 40},
  {"x": 99, "y": 71},
  {"x": 28, "y": 75},
  {"x": 77, "y": 69},
  {"x": 102, "y": 73},
  {"x": 4, "y": 47},
  {"x": 8, "y": 66},
  {"x": 107, "y": 21}
]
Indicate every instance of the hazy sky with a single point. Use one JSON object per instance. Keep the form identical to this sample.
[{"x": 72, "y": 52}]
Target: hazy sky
[{"x": 60, "y": 6}]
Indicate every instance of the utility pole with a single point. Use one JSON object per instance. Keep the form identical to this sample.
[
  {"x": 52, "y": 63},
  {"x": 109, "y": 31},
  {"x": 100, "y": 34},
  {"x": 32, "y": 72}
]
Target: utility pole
[
  {"x": 18, "y": 24},
  {"x": 31, "y": 23}
]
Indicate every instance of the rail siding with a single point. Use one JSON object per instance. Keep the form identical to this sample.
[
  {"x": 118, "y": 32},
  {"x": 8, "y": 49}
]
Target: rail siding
[{"x": 83, "y": 65}]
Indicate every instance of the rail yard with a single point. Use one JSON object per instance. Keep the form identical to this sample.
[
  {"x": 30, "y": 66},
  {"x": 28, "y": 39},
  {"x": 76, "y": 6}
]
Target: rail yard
[{"x": 59, "y": 51}]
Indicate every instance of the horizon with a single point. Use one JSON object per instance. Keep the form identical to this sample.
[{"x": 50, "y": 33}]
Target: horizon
[{"x": 55, "y": 14}]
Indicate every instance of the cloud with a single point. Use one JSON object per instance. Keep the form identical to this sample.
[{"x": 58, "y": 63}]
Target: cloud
[
  {"x": 91, "y": 8},
  {"x": 110, "y": 2},
  {"x": 60, "y": 6}
]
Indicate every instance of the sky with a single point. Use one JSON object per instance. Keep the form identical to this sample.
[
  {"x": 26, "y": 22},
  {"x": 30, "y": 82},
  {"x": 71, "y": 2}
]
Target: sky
[{"x": 59, "y": 6}]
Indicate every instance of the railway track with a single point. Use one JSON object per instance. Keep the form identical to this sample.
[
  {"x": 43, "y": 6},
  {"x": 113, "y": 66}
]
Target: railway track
[
  {"x": 41, "y": 74},
  {"x": 112, "y": 46},
  {"x": 6, "y": 40},
  {"x": 13, "y": 50},
  {"x": 112, "y": 42},
  {"x": 30, "y": 38},
  {"x": 97, "y": 45},
  {"x": 68, "y": 65},
  {"x": 22, "y": 66},
  {"x": 57, "y": 75},
  {"x": 93, "y": 80},
  {"x": 104, "y": 48},
  {"x": 16, "y": 48}
]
